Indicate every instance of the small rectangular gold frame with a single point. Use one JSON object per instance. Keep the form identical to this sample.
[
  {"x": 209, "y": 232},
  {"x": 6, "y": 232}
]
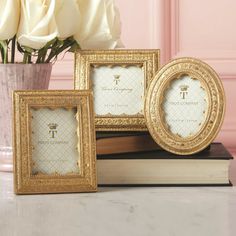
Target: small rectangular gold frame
[
  {"x": 87, "y": 60},
  {"x": 28, "y": 182}
]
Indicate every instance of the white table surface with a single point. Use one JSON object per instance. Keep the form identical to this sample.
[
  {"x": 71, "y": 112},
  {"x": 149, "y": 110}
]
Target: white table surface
[{"x": 159, "y": 211}]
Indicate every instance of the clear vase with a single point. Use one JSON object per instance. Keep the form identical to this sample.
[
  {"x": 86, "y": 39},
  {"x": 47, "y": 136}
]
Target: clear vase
[{"x": 16, "y": 77}]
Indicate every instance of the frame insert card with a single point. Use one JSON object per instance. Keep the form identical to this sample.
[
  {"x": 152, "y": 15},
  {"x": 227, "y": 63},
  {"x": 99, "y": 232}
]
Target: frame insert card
[
  {"x": 119, "y": 80},
  {"x": 185, "y": 106},
  {"x": 54, "y": 142}
]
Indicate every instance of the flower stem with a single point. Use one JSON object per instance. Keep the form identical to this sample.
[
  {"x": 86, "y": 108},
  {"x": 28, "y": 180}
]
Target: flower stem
[
  {"x": 44, "y": 56},
  {"x": 4, "y": 51},
  {"x": 41, "y": 55},
  {"x": 13, "y": 49},
  {"x": 29, "y": 60},
  {"x": 55, "y": 52},
  {"x": 25, "y": 58},
  {"x": 6, "y": 58}
]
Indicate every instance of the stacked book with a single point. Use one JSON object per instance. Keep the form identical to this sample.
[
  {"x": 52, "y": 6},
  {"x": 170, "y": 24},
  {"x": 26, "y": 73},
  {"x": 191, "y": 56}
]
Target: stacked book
[{"x": 134, "y": 159}]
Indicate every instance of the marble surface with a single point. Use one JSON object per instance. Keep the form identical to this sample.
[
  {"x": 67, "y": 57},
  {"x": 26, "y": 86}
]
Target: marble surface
[{"x": 200, "y": 211}]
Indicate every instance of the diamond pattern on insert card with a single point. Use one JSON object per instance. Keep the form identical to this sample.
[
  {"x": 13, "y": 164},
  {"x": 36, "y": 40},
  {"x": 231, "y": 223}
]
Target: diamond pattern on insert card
[
  {"x": 54, "y": 141},
  {"x": 118, "y": 90},
  {"x": 185, "y": 105}
]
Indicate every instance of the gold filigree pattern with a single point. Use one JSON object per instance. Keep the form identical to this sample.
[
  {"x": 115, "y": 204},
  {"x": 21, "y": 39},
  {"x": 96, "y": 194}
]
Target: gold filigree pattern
[
  {"x": 155, "y": 116},
  {"x": 85, "y": 61},
  {"x": 25, "y": 181}
]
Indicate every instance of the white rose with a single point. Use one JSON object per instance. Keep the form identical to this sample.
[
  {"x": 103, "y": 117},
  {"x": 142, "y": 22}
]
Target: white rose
[
  {"x": 10, "y": 14},
  {"x": 67, "y": 17},
  {"x": 100, "y": 25},
  {"x": 37, "y": 25}
]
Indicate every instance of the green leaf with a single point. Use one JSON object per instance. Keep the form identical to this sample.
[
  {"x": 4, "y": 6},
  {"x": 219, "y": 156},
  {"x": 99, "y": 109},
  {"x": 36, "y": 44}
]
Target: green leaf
[
  {"x": 74, "y": 47},
  {"x": 50, "y": 43},
  {"x": 28, "y": 50},
  {"x": 4, "y": 51}
]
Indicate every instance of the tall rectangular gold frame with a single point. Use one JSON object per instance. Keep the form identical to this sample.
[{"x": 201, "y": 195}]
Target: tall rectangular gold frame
[
  {"x": 85, "y": 60},
  {"x": 25, "y": 182}
]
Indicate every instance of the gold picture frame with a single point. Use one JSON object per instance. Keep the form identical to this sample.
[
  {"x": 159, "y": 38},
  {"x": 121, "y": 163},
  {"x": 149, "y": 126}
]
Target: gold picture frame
[
  {"x": 118, "y": 101},
  {"x": 185, "y": 106},
  {"x": 54, "y": 142}
]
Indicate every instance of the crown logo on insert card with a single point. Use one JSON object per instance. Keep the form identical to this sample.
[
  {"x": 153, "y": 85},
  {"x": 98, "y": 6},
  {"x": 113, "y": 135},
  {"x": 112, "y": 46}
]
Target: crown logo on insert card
[
  {"x": 183, "y": 91},
  {"x": 116, "y": 79},
  {"x": 52, "y": 129}
]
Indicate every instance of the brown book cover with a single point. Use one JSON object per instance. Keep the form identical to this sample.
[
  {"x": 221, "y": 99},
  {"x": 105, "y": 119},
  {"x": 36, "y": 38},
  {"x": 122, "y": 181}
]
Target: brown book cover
[
  {"x": 214, "y": 151},
  {"x": 126, "y": 144},
  {"x": 112, "y": 134}
]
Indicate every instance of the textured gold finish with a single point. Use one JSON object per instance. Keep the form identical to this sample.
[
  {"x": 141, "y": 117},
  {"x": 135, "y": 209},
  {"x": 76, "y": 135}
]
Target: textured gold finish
[
  {"x": 85, "y": 61},
  {"x": 214, "y": 114},
  {"x": 25, "y": 181}
]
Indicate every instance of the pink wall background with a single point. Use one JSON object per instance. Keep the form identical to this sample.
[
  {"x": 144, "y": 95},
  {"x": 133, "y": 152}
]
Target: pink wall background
[{"x": 202, "y": 29}]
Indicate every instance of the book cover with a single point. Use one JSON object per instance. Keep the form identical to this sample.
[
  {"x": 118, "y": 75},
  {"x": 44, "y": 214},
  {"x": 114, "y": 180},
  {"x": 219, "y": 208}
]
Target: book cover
[{"x": 160, "y": 168}]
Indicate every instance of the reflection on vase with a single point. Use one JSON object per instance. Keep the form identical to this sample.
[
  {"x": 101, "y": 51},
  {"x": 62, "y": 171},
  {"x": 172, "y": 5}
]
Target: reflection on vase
[{"x": 16, "y": 77}]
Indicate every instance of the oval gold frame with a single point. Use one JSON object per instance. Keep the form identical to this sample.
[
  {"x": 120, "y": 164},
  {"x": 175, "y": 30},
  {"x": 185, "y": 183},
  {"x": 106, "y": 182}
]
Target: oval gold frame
[{"x": 215, "y": 111}]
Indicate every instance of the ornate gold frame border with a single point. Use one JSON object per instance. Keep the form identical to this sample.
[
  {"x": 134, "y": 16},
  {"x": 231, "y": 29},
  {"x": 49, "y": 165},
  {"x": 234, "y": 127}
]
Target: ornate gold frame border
[
  {"x": 214, "y": 114},
  {"x": 86, "y": 59},
  {"x": 24, "y": 181}
]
